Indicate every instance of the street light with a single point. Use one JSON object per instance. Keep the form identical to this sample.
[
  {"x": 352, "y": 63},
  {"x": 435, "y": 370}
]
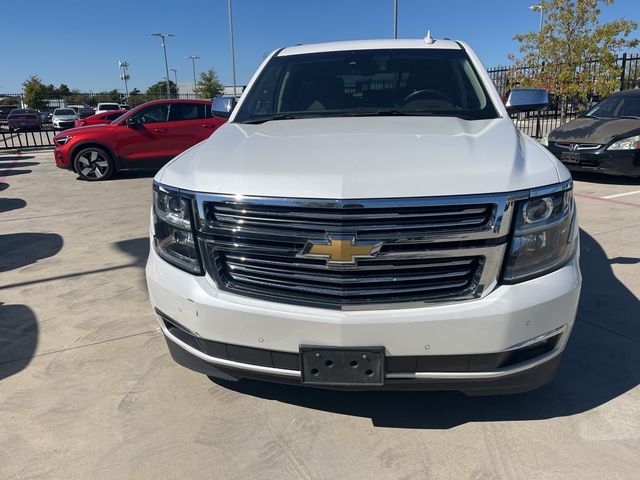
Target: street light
[
  {"x": 164, "y": 36},
  {"x": 395, "y": 18},
  {"x": 123, "y": 64},
  {"x": 538, "y": 8},
  {"x": 233, "y": 52},
  {"x": 193, "y": 64},
  {"x": 175, "y": 78}
]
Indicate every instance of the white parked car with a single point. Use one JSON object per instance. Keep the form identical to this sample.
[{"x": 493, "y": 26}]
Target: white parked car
[
  {"x": 64, "y": 118},
  {"x": 369, "y": 217},
  {"x": 106, "y": 106}
]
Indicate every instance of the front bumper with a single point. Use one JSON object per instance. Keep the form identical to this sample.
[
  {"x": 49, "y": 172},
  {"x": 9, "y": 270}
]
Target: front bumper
[
  {"x": 613, "y": 162},
  {"x": 485, "y": 329}
]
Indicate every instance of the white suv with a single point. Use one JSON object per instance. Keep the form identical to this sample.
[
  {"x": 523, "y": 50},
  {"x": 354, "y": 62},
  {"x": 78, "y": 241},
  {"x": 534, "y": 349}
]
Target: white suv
[{"x": 369, "y": 217}]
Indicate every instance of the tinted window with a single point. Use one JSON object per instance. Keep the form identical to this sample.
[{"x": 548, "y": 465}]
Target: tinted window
[
  {"x": 112, "y": 116},
  {"x": 152, "y": 114},
  {"x": 409, "y": 81},
  {"x": 187, "y": 111},
  {"x": 64, "y": 111},
  {"x": 108, "y": 106},
  {"x": 617, "y": 106}
]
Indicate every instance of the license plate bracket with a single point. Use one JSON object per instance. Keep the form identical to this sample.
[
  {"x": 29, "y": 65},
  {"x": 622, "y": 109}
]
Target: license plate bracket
[
  {"x": 342, "y": 366},
  {"x": 570, "y": 157}
]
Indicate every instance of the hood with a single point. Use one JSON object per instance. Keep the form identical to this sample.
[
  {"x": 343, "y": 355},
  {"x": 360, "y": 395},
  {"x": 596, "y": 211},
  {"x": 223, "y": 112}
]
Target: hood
[
  {"x": 596, "y": 130},
  {"x": 65, "y": 117},
  {"x": 84, "y": 129},
  {"x": 363, "y": 158}
]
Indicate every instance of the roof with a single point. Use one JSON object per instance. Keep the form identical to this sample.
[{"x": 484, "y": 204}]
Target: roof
[
  {"x": 369, "y": 45},
  {"x": 628, "y": 93}
]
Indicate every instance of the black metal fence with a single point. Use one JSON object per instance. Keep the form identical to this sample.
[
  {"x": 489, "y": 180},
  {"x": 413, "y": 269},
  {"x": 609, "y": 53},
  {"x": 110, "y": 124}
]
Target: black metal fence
[
  {"x": 539, "y": 124},
  {"x": 20, "y": 140},
  {"x": 89, "y": 99}
]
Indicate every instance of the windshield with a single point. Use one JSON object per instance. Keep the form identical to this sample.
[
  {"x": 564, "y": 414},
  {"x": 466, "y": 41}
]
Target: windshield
[
  {"x": 617, "y": 106},
  {"x": 108, "y": 106},
  {"x": 65, "y": 111},
  {"x": 367, "y": 82}
]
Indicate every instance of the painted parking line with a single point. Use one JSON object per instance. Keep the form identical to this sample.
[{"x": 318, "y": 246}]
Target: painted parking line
[
  {"x": 622, "y": 194},
  {"x": 604, "y": 199}
]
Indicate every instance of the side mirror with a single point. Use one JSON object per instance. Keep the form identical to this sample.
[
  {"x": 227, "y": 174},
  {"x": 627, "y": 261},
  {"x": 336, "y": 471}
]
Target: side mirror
[
  {"x": 527, "y": 100},
  {"x": 223, "y": 106}
]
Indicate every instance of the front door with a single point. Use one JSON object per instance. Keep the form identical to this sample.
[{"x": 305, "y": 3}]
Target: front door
[{"x": 147, "y": 140}]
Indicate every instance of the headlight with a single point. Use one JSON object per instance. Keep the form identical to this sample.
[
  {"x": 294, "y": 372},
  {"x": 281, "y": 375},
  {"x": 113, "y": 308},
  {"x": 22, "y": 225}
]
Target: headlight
[
  {"x": 545, "y": 236},
  {"x": 173, "y": 236},
  {"x": 62, "y": 140},
  {"x": 544, "y": 141},
  {"x": 631, "y": 143}
]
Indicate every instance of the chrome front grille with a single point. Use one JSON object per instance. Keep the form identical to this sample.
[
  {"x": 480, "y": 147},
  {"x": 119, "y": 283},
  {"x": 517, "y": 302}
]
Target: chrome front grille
[
  {"x": 432, "y": 250},
  {"x": 578, "y": 146}
]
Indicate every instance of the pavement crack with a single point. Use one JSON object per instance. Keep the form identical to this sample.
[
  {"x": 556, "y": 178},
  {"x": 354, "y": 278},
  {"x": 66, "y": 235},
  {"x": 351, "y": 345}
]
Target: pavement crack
[{"x": 62, "y": 350}]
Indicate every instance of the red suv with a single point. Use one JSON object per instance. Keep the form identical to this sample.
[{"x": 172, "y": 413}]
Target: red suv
[
  {"x": 145, "y": 137},
  {"x": 100, "y": 119}
]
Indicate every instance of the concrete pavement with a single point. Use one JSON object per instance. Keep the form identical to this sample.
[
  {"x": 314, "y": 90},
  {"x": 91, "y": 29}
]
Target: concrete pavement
[{"x": 88, "y": 390}]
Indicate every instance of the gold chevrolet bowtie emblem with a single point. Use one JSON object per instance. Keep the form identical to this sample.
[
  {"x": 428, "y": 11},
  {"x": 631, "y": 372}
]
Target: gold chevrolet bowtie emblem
[{"x": 340, "y": 251}]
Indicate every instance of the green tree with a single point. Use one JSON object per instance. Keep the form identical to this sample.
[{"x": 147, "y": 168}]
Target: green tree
[
  {"x": 136, "y": 98},
  {"x": 63, "y": 90},
  {"x": 562, "y": 56},
  {"x": 159, "y": 89},
  {"x": 35, "y": 92},
  {"x": 10, "y": 101},
  {"x": 208, "y": 85}
]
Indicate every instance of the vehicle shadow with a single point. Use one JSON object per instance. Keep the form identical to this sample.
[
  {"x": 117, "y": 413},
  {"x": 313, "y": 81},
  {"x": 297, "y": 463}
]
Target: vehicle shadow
[
  {"x": 8, "y": 204},
  {"x": 18, "y": 338},
  {"x": 138, "y": 248},
  {"x": 22, "y": 249},
  {"x": 599, "y": 364},
  {"x": 130, "y": 174},
  {"x": 595, "y": 177}
]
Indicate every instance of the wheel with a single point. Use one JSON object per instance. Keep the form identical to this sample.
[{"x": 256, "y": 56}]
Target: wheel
[{"x": 93, "y": 163}]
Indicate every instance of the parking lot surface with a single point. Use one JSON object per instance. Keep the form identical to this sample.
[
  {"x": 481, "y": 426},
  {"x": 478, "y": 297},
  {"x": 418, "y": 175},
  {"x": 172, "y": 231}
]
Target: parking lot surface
[{"x": 88, "y": 389}]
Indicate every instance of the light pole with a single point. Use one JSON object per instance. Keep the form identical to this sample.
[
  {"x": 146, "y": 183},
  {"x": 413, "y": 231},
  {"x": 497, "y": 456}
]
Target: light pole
[
  {"x": 193, "y": 64},
  {"x": 123, "y": 64},
  {"x": 233, "y": 51},
  {"x": 538, "y": 8},
  {"x": 395, "y": 18},
  {"x": 175, "y": 78},
  {"x": 164, "y": 36}
]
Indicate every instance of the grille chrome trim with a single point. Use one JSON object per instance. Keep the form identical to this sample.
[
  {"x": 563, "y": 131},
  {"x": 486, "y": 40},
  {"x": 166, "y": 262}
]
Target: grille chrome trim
[
  {"x": 578, "y": 146},
  {"x": 458, "y": 261}
]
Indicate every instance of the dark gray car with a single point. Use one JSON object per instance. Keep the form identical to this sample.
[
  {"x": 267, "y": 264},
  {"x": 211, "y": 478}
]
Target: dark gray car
[{"x": 606, "y": 139}]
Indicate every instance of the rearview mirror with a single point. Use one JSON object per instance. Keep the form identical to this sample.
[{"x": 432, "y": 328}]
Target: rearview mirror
[
  {"x": 223, "y": 106},
  {"x": 527, "y": 100}
]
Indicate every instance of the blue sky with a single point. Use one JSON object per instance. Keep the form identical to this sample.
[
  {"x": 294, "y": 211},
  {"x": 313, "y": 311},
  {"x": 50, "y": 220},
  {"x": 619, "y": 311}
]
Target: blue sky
[{"x": 79, "y": 42}]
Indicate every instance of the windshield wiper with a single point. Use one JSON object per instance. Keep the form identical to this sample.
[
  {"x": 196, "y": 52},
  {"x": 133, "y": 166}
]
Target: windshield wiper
[
  {"x": 635, "y": 117},
  {"x": 386, "y": 113},
  {"x": 284, "y": 116}
]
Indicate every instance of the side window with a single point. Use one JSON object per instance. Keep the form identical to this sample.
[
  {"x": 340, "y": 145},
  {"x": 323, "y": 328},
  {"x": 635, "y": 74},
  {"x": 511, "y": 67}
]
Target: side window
[
  {"x": 112, "y": 116},
  {"x": 153, "y": 114},
  {"x": 187, "y": 111}
]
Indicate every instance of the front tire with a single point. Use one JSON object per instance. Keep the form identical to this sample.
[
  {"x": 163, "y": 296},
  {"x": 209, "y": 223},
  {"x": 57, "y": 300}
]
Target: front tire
[{"x": 93, "y": 164}]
